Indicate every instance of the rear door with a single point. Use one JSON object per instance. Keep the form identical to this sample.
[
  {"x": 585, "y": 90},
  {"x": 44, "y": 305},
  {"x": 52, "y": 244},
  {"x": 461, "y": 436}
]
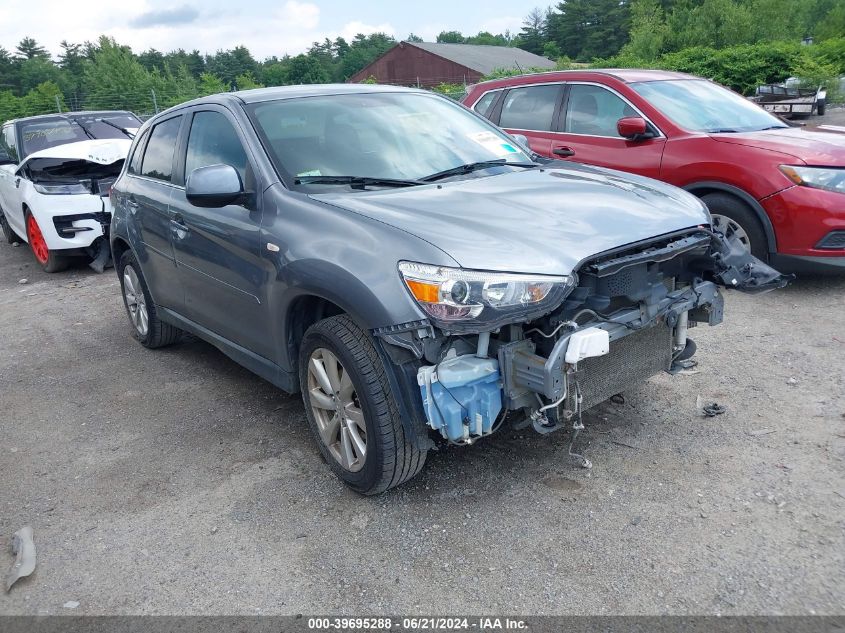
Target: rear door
[
  {"x": 587, "y": 132},
  {"x": 530, "y": 111},
  {"x": 149, "y": 189},
  {"x": 217, "y": 250}
]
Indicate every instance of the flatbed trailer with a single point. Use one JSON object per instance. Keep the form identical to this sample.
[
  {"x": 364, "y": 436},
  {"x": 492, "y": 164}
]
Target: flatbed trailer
[{"x": 788, "y": 101}]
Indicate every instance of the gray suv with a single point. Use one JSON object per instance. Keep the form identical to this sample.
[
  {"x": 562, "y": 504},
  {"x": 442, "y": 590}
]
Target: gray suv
[{"x": 415, "y": 272}]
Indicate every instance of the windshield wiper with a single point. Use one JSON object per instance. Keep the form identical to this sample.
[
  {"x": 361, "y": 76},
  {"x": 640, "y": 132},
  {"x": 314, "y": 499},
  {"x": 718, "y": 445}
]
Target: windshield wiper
[
  {"x": 84, "y": 129},
  {"x": 358, "y": 182},
  {"x": 117, "y": 127},
  {"x": 774, "y": 127},
  {"x": 725, "y": 130},
  {"x": 471, "y": 167}
]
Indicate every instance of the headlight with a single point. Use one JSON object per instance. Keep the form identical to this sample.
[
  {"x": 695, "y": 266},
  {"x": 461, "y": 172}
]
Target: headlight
[
  {"x": 61, "y": 190},
  {"x": 827, "y": 178},
  {"x": 456, "y": 298}
]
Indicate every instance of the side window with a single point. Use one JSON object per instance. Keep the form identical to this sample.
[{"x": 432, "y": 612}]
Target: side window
[
  {"x": 483, "y": 105},
  {"x": 138, "y": 155},
  {"x": 8, "y": 143},
  {"x": 594, "y": 111},
  {"x": 158, "y": 158},
  {"x": 529, "y": 108},
  {"x": 213, "y": 141}
]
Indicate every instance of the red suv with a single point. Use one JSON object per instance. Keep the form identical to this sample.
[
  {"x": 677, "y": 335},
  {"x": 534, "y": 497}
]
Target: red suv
[{"x": 779, "y": 189}]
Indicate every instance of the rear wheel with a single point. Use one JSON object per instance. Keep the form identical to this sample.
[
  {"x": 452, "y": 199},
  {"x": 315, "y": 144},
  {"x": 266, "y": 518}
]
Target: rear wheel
[
  {"x": 351, "y": 409},
  {"x": 150, "y": 331},
  {"x": 821, "y": 107},
  {"x": 733, "y": 219},
  {"x": 50, "y": 261},
  {"x": 8, "y": 233}
]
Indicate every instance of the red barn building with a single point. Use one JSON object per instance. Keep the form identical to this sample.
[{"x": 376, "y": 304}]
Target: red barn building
[{"x": 426, "y": 64}]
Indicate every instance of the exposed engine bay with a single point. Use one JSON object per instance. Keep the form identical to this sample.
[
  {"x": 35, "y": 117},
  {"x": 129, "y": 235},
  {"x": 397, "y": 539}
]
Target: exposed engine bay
[
  {"x": 96, "y": 178},
  {"x": 625, "y": 318}
]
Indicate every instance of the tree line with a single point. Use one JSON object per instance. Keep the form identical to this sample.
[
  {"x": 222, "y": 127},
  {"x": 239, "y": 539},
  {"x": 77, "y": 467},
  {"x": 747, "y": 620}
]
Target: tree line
[{"x": 736, "y": 41}]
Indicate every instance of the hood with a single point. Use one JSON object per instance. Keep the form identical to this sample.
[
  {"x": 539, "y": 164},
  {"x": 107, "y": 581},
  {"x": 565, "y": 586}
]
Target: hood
[
  {"x": 102, "y": 152},
  {"x": 535, "y": 221},
  {"x": 810, "y": 146}
]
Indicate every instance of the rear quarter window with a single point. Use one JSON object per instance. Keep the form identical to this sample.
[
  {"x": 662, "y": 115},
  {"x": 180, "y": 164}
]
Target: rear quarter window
[
  {"x": 137, "y": 155},
  {"x": 158, "y": 157}
]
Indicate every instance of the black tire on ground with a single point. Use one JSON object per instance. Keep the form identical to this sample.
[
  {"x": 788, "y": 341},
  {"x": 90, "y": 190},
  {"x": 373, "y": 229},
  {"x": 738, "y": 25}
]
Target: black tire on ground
[
  {"x": 391, "y": 458},
  {"x": 729, "y": 206},
  {"x": 821, "y": 107},
  {"x": 54, "y": 263},
  {"x": 159, "y": 333},
  {"x": 8, "y": 233}
]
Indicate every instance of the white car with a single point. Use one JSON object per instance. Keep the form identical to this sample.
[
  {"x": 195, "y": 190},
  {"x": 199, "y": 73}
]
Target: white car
[{"x": 55, "y": 176}]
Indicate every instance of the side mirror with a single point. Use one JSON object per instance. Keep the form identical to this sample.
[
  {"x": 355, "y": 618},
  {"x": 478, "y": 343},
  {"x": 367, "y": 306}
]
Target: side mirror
[
  {"x": 214, "y": 186},
  {"x": 633, "y": 128},
  {"x": 5, "y": 159}
]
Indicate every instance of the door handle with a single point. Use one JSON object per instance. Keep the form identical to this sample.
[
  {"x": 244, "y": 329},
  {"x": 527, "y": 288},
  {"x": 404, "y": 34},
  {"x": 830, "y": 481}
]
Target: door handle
[
  {"x": 563, "y": 151},
  {"x": 180, "y": 229}
]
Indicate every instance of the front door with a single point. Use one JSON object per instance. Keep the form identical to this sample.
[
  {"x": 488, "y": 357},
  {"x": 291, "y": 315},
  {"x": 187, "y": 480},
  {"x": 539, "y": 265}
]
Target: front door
[
  {"x": 217, "y": 250},
  {"x": 9, "y": 182},
  {"x": 588, "y": 134}
]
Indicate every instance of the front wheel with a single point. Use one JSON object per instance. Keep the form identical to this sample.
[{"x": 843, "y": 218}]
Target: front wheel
[
  {"x": 733, "y": 219},
  {"x": 49, "y": 259},
  {"x": 351, "y": 409}
]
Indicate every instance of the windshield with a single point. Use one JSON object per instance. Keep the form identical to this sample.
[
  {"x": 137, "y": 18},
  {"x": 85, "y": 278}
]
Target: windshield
[
  {"x": 94, "y": 124},
  {"x": 702, "y": 106},
  {"x": 400, "y": 136},
  {"x": 45, "y": 133}
]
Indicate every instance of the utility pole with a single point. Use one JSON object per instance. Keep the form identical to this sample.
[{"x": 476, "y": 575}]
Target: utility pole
[
  {"x": 58, "y": 104},
  {"x": 155, "y": 102}
]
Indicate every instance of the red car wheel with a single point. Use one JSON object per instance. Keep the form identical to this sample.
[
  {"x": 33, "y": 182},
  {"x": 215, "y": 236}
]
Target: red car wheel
[{"x": 49, "y": 260}]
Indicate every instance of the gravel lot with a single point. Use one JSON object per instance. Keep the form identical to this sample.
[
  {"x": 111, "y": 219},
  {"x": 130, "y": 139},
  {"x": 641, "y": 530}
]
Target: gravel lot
[{"x": 176, "y": 482}]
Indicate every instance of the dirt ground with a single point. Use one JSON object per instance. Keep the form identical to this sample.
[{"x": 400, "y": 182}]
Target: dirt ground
[{"x": 176, "y": 482}]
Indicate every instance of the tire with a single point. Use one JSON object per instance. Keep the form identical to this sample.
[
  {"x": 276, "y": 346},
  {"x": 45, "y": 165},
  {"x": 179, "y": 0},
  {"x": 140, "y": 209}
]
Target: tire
[
  {"x": 821, "y": 107},
  {"x": 50, "y": 261},
  {"x": 147, "y": 328},
  {"x": 728, "y": 211},
  {"x": 8, "y": 233},
  {"x": 389, "y": 456}
]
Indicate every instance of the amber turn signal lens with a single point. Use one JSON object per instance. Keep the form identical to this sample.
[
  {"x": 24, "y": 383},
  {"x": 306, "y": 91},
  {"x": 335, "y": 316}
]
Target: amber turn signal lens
[{"x": 423, "y": 291}]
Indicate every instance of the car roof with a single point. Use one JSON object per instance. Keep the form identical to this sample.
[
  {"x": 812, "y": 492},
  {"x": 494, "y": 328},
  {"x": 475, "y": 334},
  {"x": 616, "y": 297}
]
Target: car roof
[
  {"x": 69, "y": 115},
  {"x": 292, "y": 92},
  {"x": 625, "y": 75}
]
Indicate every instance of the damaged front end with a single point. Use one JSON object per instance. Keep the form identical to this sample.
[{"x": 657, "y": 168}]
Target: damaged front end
[
  {"x": 73, "y": 181},
  {"x": 560, "y": 345}
]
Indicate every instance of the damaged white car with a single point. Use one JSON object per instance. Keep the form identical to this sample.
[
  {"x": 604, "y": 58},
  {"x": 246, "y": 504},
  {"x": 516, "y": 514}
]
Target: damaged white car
[{"x": 55, "y": 176}]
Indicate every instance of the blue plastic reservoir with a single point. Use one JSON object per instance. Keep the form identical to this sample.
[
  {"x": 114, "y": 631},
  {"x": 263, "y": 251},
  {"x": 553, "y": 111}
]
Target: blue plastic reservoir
[{"x": 463, "y": 397}]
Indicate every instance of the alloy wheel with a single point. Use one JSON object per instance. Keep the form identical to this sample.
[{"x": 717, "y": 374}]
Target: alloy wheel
[
  {"x": 730, "y": 229},
  {"x": 337, "y": 410},
  {"x": 136, "y": 302}
]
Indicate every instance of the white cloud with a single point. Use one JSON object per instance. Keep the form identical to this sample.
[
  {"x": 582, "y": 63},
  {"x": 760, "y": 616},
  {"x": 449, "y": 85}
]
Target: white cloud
[
  {"x": 303, "y": 15},
  {"x": 351, "y": 29}
]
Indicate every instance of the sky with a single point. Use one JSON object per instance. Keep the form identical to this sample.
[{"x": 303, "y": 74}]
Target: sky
[{"x": 266, "y": 27}]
